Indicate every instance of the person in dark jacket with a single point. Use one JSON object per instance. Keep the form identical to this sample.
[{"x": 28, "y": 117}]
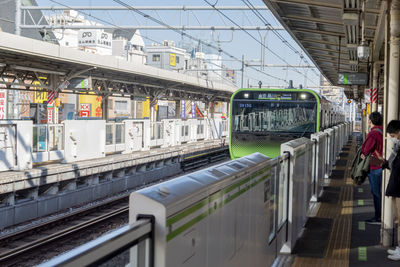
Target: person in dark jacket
[
  {"x": 373, "y": 145},
  {"x": 393, "y": 187}
]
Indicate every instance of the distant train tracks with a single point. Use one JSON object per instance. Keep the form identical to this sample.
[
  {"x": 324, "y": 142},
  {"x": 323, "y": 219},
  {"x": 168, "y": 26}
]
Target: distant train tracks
[
  {"x": 42, "y": 241},
  {"x": 23, "y": 247}
]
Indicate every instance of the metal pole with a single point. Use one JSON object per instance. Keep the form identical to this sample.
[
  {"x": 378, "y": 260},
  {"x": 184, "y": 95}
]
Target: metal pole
[
  {"x": 340, "y": 45},
  {"x": 242, "y": 71},
  {"x": 18, "y": 17},
  {"x": 392, "y": 110}
]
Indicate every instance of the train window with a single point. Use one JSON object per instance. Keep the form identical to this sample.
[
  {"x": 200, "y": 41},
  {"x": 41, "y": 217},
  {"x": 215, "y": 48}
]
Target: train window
[{"x": 274, "y": 116}]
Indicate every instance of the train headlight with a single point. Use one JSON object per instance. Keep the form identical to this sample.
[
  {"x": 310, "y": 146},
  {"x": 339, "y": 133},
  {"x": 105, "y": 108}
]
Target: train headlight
[
  {"x": 303, "y": 96},
  {"x": 246, "y": 95}
]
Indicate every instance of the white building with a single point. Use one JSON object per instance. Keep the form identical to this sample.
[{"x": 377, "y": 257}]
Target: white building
[
  {"x": 98, "y": 41},
  {"x": 167, "y": 56},
  {"x": 129, "y": 44}
]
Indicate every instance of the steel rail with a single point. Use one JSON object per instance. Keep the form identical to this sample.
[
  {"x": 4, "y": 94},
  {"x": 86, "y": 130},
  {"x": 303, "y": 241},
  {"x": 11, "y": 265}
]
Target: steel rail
[{"x": 60, "y": 234}]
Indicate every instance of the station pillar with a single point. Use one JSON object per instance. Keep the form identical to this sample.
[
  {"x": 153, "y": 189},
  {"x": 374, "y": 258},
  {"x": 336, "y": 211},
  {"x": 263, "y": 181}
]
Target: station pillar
[
  {"x": 375, "y": 87},
  {"x": 392, "y": 112}
]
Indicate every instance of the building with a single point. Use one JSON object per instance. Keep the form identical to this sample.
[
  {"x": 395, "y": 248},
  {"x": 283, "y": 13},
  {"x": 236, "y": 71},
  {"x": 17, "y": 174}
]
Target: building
[
  {"x": 129, "y": 44},
  {"x": 167, "y": 56}
]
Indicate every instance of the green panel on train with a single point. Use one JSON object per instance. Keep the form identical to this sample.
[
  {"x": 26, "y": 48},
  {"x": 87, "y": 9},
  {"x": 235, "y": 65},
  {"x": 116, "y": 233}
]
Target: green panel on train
[{"x": 262, "y": 119}]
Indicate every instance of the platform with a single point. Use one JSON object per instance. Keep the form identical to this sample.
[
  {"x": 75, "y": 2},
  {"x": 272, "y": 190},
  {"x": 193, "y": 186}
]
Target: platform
[{"x": 338, "y": 235}]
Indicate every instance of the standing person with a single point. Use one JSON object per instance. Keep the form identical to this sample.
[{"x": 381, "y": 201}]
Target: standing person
[
  {"x": 373, "y": 145},
  {"x": 393, "y": 187}
]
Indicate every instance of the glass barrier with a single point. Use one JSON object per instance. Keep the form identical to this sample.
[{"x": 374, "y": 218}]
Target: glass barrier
[
  {"x": 56, "y": 137},
  {"x": 160, "y": 131},
  {"x": 119, "y": 133},
  {"x": 39, "y": 138},
  {"x": 156, "y": 130},
  {"x": 271, "y": 185},
  {"x": 48, "y": 137},
  {"x": 283, "y": 192},
  {"x": 109, "y": 134}
]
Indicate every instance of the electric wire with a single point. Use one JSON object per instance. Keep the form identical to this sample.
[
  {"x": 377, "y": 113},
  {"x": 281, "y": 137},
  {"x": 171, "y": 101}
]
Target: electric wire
[
  {"x": 267, "y": 23},
  {"x": 190, "y": 36},
  {"x": 168, "y": 26},
  {"x": 254, "y": 38}
]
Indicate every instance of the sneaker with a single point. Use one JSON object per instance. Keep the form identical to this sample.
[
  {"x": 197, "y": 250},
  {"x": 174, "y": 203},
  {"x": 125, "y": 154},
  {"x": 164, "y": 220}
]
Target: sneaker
[
  {"x": 395, "y": 257},
  {"x": 373, "y": 221},
  {"x": 394, "y": 251}
]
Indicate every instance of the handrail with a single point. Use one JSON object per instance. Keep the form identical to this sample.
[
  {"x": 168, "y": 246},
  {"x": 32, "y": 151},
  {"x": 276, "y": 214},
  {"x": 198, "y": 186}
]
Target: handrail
[{"x": 105, "y": 247}]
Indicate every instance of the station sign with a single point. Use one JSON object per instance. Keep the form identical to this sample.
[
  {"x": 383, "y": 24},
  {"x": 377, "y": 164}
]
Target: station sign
[
  {"x": 356, "y": 78},
  {"x": 80, "y": 83}
]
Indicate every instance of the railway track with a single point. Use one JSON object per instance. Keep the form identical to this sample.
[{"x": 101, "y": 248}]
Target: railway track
[
  {"x": 23, "y": 247},
  {"x": 44, "y": 240}
]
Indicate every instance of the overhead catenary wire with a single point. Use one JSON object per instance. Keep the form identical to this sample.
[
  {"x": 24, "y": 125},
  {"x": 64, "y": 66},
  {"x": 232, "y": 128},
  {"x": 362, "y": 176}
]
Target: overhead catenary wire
[
  {"x": 171, "y": 28},
  {"x": 254, "y": 38},
  {"x": 147, "y": 16},
  {"x": 283, "y": 40},
  {"x": 104, "y": 21}
]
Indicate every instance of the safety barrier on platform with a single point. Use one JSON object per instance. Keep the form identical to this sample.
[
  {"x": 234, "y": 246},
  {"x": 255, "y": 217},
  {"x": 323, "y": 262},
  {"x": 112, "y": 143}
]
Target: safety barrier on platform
[
  {"x": 22, "y": 143},
  {"x": 15, "y": 145},
  {"x": 240, "y": 213},
  {"x": 319, "y": 166},
  {"x": 130, "y": 245}
]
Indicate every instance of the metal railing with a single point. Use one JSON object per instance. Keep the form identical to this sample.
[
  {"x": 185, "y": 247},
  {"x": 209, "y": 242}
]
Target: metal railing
[{"x": 131, "y": 245}]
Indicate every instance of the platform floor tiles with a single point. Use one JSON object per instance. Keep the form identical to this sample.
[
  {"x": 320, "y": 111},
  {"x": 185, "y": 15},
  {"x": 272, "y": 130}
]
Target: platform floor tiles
[{"x": 337, "y": 235}]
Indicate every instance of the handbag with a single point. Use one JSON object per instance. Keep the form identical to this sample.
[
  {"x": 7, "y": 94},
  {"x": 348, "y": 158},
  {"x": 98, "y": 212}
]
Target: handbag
[{"x": 375, "y": 160}]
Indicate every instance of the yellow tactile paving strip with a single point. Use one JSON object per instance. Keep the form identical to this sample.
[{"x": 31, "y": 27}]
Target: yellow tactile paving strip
[{"x": 338, "y": 250}]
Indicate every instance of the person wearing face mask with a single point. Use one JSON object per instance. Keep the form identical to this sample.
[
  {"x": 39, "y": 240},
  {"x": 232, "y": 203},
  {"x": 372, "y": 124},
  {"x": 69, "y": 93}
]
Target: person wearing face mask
[
  {"x": 373, "y": 145},
  {"x": 393, "y": 187}
]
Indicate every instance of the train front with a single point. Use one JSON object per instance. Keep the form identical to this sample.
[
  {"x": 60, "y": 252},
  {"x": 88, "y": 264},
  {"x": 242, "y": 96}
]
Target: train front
[{"x": 262, "y": 119}]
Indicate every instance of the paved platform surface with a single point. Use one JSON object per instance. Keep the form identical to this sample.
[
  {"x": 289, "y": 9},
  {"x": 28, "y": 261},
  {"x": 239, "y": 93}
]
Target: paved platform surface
[{"x": 337, "y": 235}]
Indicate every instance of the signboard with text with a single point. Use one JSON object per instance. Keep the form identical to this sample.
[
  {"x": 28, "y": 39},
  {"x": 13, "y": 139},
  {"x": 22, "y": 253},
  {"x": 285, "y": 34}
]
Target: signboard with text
[
  {"x": 50, "y": 114},
  {"x": 3, "y": 104},
  {"x": 84, "y": 110},
  {"x": 172, "y": 60},
  {"x": 356, "y": 78}
]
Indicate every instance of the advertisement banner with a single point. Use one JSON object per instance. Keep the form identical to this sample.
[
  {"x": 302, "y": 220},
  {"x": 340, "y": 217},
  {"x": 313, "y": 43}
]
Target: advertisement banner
[
  {"x": 183, "y": 109},
  {"x": 172, "y": 60},
  {"x": 84, "y": 110},
  {"x": 50, "y": 114},
  {"x": 3, "y": 104},
  {"x": 193, "y": 109}
]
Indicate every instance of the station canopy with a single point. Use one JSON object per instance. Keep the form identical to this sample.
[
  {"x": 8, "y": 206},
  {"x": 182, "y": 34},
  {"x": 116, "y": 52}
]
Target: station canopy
[{"x": 331, "y": 32}]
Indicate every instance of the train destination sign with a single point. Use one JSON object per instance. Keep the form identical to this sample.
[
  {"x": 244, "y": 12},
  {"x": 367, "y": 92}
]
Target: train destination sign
[{"x": 357, "y": 78}]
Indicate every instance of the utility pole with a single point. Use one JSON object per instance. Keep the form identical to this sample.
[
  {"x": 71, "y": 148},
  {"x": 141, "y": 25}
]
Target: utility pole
[{"x": 17, "y": 17}]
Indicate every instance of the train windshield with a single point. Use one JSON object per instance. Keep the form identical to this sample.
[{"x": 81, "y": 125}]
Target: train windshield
[{"x": 278, "y": 111}]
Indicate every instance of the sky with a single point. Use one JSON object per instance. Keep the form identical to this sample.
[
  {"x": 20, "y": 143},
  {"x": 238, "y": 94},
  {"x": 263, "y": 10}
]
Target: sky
[{"x": 237, "y": 43}]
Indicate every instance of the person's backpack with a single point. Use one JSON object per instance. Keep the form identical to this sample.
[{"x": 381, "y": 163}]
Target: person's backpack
[{"x": 359, "y": 168}]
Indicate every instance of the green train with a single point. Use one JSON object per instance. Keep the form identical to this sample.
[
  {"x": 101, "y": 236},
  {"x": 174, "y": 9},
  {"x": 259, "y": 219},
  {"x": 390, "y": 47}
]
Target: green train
[{"x": 262, "y": 119}]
